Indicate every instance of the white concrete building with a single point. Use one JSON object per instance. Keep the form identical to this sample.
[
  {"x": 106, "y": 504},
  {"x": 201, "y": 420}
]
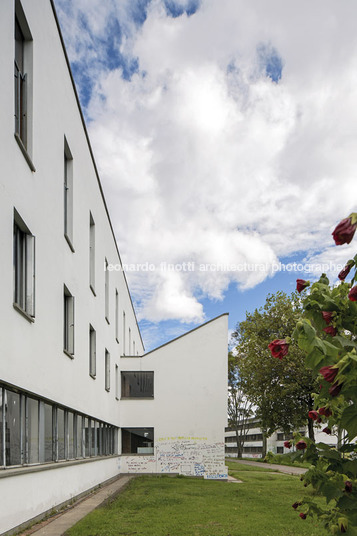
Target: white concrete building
[
  {"x": 80, "y": 401},
  {"x": 253, "y": 443}
]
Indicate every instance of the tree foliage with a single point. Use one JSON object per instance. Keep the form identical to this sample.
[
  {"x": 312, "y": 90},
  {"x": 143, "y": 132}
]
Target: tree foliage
[
  {"x": 240, "y": 408},
  {"x": 280, "y": 388}
]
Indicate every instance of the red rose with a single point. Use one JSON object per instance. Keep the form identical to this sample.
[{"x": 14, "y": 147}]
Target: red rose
[
  {"x": 296, "y": 504},
  {"x": 352, "y": 295},
  {"x": 344, "y": 273},
  {"x": 287, "y": 444},
  {"x": 301, "y": 445},
  {"x": 303, "y": 516},
  {"x": 348, "y": 486},
  {"x": 327, "y": 316},
  {"x": 279, "y": 348},
  {"x": 327, "y": 430},
  {"x": 329, "y": 373},
  {"x": 335, "y": 389},
  {"x": 301, "y": 284},
  {"x": 344, "y": 232},
  {"x": 313, "y": 415},
  {"x": 325, "y": 411},
  {"x": 330, "y": 330}
]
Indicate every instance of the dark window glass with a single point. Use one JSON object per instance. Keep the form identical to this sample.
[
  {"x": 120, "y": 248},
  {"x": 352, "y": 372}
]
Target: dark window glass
[
  {"x": 48, "y": 433},
  {"x": 70, "y": 436},
  {"x": 87, "y": 437},
  {"x": 137, "y": 384},
  {"x": 13, "y": 428},
  {"x": 79, "y": 436},
  {"x": 137, "y": 440},
  {"x": 60, "y": 434},
  {"x": 2, "y": 391},
  {"x": 32, "y": 430}
]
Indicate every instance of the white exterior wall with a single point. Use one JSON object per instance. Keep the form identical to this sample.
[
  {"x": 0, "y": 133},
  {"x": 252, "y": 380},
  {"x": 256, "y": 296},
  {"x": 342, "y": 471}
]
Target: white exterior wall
[
  {"x": 38, "y": 362},
  {"x": 189, "y": 408},
  {"x": 25, "y": 496}
]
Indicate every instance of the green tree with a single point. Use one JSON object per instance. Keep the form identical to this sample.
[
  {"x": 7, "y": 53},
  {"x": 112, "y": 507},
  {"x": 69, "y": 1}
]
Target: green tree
[
  {"x": 279, "y": 388},
  {"x": 240, "y": 408}
]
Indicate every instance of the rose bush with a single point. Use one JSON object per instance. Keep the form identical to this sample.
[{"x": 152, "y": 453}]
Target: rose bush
[{"x": 331, "y": 353}]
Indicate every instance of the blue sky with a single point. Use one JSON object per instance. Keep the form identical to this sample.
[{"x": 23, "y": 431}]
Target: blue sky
[{"x": 224, "y": 134}]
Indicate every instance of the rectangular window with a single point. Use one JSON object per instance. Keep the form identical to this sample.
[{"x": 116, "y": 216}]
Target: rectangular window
[
  {"x": 92, "y": 352},
  {"x": 124, "y": 328},
  {"x": 116, "y": 315},
  {"x": 87, "y": 437},
  {"x": 49, "y": 442},
  {"x": 130, "y": 353},
  {"x": 91, "y": 253},
  {"x": 23, "y": 84},
  {"x": 107, "y": 370},
  {"x": 70, "y": 436},
  {"x": 79, "y": 442},
  {"x": 24, "y": 267},
  {"x": 68, "y": 195},
  {"x": 61, "y": 453},
  {"x": 137, "y": 440},
  {"x": 94, "y": 438},
  {"x": 117, "y": 382},
  {"x": 32, "y": 430},
  {"x": 68, "y": 324},
  {"x": 137, "y": 384},
  {"x": 2, "y": 423},
  {"x": 13, "y": 428},
  {"x": 133, "y": 347},
  {"x": 106, "y": 293}
]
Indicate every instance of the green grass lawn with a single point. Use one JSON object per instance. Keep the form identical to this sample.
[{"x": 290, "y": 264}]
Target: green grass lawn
[{"x": 176, "y": 506}]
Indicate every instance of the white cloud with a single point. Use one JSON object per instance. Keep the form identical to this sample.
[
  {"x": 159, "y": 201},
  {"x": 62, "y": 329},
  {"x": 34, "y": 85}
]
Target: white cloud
[{"x": 203, "y": 157}]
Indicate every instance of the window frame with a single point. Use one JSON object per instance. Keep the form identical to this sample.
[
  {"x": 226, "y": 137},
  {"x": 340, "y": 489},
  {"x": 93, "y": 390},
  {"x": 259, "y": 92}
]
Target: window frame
[
  {"x": 92, "y": 352},
  {"x": 68, "y": 322},
  {"x": 24, "y": 268},
  {"x": 107, "y": 370},
  {"x": 124, "y": 377},
  {"x": 23, "y": 91}
]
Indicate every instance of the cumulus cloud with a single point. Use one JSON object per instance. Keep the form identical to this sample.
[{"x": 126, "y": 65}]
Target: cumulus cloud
[{"x": 224, "y": 133}]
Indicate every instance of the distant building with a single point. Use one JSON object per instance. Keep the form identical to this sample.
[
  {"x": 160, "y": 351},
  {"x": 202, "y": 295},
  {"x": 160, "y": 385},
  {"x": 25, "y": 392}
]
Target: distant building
[
  {"x": 253, "y": 440},
  {"x": 80, "y": 401}
]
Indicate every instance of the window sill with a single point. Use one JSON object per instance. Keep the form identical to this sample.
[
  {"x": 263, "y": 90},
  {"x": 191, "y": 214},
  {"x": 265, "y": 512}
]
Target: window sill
[
  {"x": 23, "y": 313},
  {"x": 107, "y": 319},
  {"x": 93, "y": 376},
  {"x": 116, "y": 338},
  {"x": 69, "y": 241},
  {"x": 68, "y": 354},
  {"x": 24, "y": 152},
  {"x": 136, "y": 454},
  {"x": 46, "y": 466},
  {"x": 92, "y": 289},
  {"x": 137, "y": 398}
]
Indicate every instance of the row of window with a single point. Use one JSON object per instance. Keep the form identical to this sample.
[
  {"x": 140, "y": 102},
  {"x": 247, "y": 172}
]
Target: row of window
[
  {"x": 246, "y": 450},
  {"x": 24, "y": 241},
  {"x": 35, "y": 431},
  {"x": 249, "y": 437}
]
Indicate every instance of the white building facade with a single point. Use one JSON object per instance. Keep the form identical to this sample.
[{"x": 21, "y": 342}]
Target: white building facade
[
  {"x": 253, "y": 440},
  {"x": 80, "y": 401}
]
